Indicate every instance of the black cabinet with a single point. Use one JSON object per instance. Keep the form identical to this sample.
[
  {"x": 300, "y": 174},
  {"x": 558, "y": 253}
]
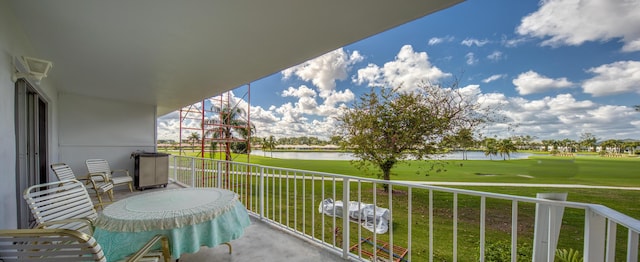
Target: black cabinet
[{"x": 151, "y": 170}]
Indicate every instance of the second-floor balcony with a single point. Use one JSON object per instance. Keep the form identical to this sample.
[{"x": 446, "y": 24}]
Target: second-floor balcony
[{"x": 425, "y": 223}]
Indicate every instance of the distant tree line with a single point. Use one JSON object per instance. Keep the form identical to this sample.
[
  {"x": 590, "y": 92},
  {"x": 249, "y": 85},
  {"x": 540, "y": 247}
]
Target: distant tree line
[{"x": 462, "y": 141}]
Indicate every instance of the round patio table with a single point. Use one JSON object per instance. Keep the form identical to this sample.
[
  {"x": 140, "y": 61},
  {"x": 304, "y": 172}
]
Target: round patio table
[{"x": 190, "y": 217}]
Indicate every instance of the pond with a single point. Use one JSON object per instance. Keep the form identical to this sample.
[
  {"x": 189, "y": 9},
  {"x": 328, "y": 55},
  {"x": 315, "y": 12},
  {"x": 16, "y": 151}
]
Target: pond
[{"x": 319, "y": 155}]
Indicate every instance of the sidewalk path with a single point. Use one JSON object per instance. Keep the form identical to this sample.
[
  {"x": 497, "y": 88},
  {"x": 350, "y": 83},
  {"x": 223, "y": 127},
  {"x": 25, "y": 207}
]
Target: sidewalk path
[{"x": 433, "y": 183}]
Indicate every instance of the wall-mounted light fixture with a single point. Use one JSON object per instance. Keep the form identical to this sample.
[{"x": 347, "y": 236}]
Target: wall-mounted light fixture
[{"x": 30, "y": 67}]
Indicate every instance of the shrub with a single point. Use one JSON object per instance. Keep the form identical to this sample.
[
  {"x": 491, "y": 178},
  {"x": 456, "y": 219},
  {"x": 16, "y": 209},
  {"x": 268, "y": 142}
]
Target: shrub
[{"x": 571, "y": 255}]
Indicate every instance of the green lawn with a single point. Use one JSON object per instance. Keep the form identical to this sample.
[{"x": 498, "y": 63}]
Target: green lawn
[{"x": 539, "y": 169}]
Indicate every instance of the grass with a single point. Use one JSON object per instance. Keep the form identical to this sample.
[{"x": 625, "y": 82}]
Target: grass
[
  {"x": 587, "y": 170},
  {"x": 535, "y": 170}
]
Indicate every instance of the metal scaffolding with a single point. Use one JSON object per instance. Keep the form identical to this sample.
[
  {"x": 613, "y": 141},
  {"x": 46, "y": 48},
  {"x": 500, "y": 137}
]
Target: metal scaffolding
[{"x": 222, "y": 125}]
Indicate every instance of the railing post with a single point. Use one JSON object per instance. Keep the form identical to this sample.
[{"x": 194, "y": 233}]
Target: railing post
[
  {"x": 594, "y": 235},
  {"x": 632, "y": 246},
  {"x": 611, "y": 241},
  {"x": 193, "y": 172},
  {"x": 175, "y": 168},
  {"x": 261, "y": 192},
  {"x": 345, "y": 217},
  {"x": 219, "y": 174},
  {"x": 547, "y": 227}
]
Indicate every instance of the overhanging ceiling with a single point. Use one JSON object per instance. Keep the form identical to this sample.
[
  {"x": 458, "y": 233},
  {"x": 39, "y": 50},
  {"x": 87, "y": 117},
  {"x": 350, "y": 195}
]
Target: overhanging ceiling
[{"x": 174, "y": 53}]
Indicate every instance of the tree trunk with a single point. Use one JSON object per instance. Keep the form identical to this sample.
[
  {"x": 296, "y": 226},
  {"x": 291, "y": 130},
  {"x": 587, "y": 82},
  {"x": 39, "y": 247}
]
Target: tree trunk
[
  {"x": 386, "y": 175},
  {"x": 386, "y": 172}
]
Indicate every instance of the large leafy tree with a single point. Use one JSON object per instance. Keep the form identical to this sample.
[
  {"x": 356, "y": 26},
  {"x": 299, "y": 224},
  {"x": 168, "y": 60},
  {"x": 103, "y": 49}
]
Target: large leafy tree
[
  {"x": 387, "y": 127},
  {"x": 461, "y": 140}
]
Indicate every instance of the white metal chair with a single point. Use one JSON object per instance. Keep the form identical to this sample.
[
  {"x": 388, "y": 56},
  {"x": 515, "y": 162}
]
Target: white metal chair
[
  {"x": 62, "y": 204},
  {"x": 67, "y": 245},
  {"x": 102, "y": 166},
  {"x": 98, "y": 182}
]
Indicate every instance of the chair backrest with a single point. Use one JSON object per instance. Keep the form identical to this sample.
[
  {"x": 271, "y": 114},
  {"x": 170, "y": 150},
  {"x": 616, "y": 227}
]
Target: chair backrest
[
  {"x": 66, "y": 199},
  {"x": 48, "y": 245},
  {"x": 98, "y": 166},
  {"x": 62, "y": 171}
]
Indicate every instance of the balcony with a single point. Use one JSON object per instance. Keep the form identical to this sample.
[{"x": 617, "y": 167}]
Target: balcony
[{"x": 428, "y": 223}]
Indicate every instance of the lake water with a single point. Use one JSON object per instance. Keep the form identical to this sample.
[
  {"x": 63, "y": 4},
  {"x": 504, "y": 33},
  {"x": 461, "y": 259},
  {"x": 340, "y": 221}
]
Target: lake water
[{"x": 315, "y": 155}]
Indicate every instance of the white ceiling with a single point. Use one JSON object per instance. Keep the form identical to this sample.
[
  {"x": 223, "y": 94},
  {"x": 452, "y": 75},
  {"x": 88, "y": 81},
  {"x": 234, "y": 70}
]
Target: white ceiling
[{"x": 174, "y": 53}]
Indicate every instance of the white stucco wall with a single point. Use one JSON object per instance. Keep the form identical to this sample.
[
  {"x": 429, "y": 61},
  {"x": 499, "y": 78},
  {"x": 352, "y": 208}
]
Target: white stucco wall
[
  {"x": 97, "y": 128},
  {"x": 79, "y": 127},
  {"x": 14, "y": 43}
]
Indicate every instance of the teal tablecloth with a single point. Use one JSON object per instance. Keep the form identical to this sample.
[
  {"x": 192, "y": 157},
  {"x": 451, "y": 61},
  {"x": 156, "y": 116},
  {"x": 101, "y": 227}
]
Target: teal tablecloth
[{"x": 190, "y": 217}]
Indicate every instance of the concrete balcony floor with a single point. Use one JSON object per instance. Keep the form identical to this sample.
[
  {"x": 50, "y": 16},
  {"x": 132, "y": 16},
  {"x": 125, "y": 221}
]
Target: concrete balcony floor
[{"x": 260, "y": 242}]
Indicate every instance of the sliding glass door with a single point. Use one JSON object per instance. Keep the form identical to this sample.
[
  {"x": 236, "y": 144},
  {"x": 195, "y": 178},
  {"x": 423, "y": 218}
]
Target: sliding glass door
[{"x": 31, "y": 145}]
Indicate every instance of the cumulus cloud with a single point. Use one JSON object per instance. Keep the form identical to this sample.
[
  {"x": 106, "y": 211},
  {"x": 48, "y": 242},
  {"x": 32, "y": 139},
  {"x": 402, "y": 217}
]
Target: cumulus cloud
[
  {"x": 302, "y": 91},
  {"x": 408, "y": 70},
  {"x": 325, "y": 70},
  {"x": 562, "y": 116},
  {"x": 615, "y": 78},
  {"x": 531, "y": 82},
  {"x": 472, "y": 41},
  {"x": 493, "y": 78},
  {"x": 440, "y": 40},
  {"x": 570, "y": 22}
]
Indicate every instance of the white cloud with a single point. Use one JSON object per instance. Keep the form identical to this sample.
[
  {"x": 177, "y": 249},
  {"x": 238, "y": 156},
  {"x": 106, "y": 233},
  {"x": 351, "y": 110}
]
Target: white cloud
[
  {"x": 440, "y": 40},
  {"x": 337, "y": 97},
  {"x": 558, "y": 117},
  {"x": 571, "y": 22},
  {"x": 531, "y": 82},
  {"x": 302, "y": 91},
  {"x": 562, "y": 116},
  {"x": 471, "y": 59},
  {"x": 325, "y": 70},
  {"x": 408, "y": 70},
  {"x": 258, "y": 114},
  {"x": 472, "y": 41},
  {"x": 615, "y": 78},
  {"x": 495, "y": 56},
  {"x": 493, "y": 78}
]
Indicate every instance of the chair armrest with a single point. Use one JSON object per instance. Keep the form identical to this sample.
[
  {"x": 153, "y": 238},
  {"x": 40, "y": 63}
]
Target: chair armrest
[
  {"x": 125, "y": 171},
  {"x": 166, "y": 253},
  {"x": 88, "y": 223},
  {"x": 102, "y": 175}
]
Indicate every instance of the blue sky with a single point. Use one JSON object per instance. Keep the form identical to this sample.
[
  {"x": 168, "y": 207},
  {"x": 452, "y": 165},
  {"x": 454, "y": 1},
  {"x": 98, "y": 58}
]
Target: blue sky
[{"x": 556, "y": 68}]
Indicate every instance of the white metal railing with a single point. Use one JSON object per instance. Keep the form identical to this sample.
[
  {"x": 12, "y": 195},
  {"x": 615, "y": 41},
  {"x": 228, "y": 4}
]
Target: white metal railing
[{"x": 455, "y": 220}]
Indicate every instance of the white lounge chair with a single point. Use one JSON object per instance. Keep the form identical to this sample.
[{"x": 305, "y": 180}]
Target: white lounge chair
[
  {"x": 102, "y": 166},
  {"x": 62, "y": 204},
  {"x": 67, "y": 245},
  {"x": 98, "y": 181}
]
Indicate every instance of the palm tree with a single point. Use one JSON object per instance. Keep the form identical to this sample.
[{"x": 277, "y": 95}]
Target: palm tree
[
  {"x": 193, "y": 138},
  {"x": 230, "y": 121},
  {"x": 490, "y": 147},
  {"x": 505, "y": 147},
  {"x": 546, "y": 144},
  {"x": 269, "y": 144},
  {"x": 631, "y": 145}
]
